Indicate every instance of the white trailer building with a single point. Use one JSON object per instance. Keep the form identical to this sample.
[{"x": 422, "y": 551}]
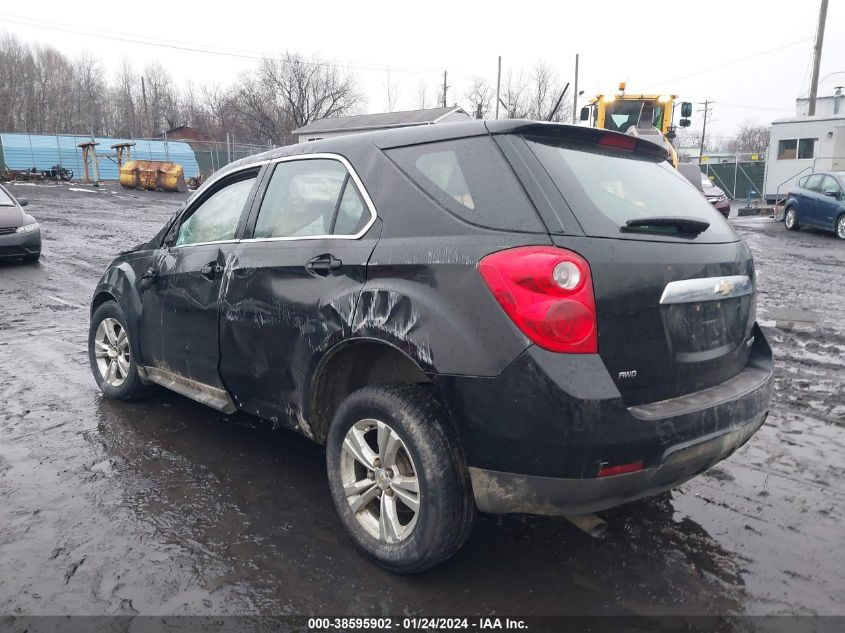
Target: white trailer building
[{"x": 802, "y": 145}]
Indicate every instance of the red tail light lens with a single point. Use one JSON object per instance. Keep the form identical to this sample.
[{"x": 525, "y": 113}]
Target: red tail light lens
[{"x": 548, "y": 293}]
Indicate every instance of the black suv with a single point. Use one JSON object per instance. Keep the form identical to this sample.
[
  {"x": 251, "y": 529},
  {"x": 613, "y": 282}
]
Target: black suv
[{"x": 505, "y": 316}]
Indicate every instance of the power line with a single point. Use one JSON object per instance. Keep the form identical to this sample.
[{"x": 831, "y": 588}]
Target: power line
[
  {"x": 205, "y": 49},
  {"x": 730, "y": 63},
  {"x": 752, "y": 107}
]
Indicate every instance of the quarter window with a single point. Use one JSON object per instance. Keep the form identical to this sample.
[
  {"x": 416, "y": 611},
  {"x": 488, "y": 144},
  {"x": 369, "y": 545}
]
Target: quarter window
[
  {"x": 469, "y": 178},
  {"x": 310, "y": 197},
  {"x": 216, "y": 218}
]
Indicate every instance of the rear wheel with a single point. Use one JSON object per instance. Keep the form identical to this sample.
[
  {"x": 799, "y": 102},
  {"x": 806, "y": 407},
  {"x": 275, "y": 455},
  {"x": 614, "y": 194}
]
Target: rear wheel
[
  {"x": 31, "y": 259},
  {"x": 110, "y": 354},
  {"x": 840, "y": 227},
  {"x": 790, "y": 219},
  {"x": 397, "y": 477}
]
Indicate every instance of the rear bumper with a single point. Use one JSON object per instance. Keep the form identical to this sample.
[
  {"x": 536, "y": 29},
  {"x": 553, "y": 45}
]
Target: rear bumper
[
  {"x": 537, "y": 436},
  {"x": 17, "y": 245},
  {"x": 501, "y": 493}
]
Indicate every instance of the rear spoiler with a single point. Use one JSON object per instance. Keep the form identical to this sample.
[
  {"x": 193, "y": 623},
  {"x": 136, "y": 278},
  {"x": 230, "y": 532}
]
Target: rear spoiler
[{"x": 580, "y": 134}]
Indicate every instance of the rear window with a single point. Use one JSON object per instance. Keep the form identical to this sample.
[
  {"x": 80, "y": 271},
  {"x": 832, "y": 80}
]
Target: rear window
[
  {"x": 607, "y": 188},
  {"x": 470, "y": 179}
]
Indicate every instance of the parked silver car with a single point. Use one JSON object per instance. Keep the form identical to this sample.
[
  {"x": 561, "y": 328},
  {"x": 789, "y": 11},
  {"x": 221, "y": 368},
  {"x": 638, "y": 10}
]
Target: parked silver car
[{"x": 20, "y": 235}]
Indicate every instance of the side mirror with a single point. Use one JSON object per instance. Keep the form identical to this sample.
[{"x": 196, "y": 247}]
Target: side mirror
[
  {"x": 585, "y": 113},
  {"x": 686, "y": 109},
  {"x": 684, "y": 122},
  {"x": 833, "y": 193},
  {"x": 23, "y": 202}
]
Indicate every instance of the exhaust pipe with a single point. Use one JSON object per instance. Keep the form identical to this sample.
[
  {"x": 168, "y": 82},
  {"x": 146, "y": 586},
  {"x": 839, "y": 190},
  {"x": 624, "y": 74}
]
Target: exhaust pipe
[{"x": 589, "y": 523}]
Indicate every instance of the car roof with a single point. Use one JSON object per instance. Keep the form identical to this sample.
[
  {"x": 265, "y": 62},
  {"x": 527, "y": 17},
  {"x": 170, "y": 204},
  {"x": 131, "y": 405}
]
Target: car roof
[
  {"x": 838, "y": 174},
  {"x": 398, "y": 137}
]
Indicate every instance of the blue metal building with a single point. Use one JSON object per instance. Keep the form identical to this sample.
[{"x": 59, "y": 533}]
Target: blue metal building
[{"x": 25, "y": 151}]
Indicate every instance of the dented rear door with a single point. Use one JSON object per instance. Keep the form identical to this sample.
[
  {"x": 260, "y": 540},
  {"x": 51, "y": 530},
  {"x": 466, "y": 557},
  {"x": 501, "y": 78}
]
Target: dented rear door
[{"x": 290, "y": 290}]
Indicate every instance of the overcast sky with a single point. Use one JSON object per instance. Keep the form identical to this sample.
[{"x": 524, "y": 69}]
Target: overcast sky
[{"x": 751, "y": 58}]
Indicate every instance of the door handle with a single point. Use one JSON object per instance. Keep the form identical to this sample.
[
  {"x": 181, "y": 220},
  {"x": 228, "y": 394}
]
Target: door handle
[
  {"x": 323, "y": 265},
  {"x": 211, "y": 270},
  {"x": 148, "y": 278}
]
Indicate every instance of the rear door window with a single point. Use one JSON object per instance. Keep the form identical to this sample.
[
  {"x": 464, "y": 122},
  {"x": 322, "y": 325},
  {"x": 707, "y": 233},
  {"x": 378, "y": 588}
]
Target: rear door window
[
  {"x": 607, "y": 188},
  {"x": 814, "y": 182},
  {"x": 308, "y": 198},
  {"x": 471, "y": 179}
]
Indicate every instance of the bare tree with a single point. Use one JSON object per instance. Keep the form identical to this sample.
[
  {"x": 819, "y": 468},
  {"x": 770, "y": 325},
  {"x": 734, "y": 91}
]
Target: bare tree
[
  {"x": 481, "y": 96},
  {"x": 545, "y": 89},
  {"x": 514, "y": 95},
  {"x": 289, "y": 92},
  {"x": 422, "y": 94},
  {"x": 391, "y": 88},
  {"x": 751, "y": 137}
]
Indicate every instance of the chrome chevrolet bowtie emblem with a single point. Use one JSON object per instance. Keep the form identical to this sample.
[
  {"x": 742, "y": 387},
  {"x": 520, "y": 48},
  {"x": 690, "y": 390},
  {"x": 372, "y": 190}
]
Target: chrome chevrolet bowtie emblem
[{"x": 724, "y": 288}]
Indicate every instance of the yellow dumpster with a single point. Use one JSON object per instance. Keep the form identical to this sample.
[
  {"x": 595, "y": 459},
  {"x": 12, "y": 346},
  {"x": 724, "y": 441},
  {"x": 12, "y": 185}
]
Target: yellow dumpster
[{"x": 153, "y": 175}]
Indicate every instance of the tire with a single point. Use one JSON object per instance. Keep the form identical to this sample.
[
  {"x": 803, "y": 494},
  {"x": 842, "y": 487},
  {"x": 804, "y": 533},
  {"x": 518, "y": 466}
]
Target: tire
[
  {"x": 32, "y": 259},
  {"x": 126, "y": 383},
  {"x": 790, "y": 219},
  {"x": 428, "y": 448},
  {"x": 839, "y": 228}
]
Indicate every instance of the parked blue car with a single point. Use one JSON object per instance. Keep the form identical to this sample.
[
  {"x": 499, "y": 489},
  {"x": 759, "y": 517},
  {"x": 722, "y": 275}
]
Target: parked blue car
[{"x": 819, "y": 202}]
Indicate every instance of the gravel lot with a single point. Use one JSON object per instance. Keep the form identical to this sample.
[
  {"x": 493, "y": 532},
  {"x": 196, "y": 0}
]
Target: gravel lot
[{"x": 167, "y": 507}]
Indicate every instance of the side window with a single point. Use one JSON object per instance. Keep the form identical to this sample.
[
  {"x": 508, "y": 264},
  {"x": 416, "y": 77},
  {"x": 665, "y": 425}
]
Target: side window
[
  {"x": 216, "y": 218},
  {"x": 301, "y": 198},
  {"x": 471, "y": 179},
  {"x": 803, "y": 182},
  {"x": 310, "y": 197},
  {"x": 830, "y": 184},
  {"x": 814, "y": 182}
]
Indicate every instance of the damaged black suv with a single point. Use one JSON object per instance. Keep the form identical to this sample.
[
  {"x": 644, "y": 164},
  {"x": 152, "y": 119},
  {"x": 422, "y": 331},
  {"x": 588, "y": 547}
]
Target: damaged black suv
[{"x": 505, "y": 316}]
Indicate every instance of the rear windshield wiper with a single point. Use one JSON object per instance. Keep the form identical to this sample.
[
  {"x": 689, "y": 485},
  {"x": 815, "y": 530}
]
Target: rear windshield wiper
[{"x": 667, "y": 226}]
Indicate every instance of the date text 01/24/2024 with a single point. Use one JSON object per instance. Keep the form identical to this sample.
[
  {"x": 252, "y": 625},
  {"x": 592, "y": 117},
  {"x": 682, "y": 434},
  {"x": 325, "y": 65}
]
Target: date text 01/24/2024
[{"x": 415, "y": 623}]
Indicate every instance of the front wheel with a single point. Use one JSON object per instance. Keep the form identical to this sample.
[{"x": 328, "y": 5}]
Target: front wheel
[
  {"x": 840, "y": 227},
  {"x": 397, "y": 477},
  {"x": 790, "y": 219},
  {"x": 110, "y": 354}
]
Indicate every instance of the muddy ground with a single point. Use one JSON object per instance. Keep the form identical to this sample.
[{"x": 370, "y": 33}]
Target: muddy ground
[{"x": 166, "y": 507}]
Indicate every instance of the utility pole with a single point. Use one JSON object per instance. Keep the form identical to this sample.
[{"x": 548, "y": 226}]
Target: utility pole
[
  {"x": 498, "y": 85},
  {"x": 146, "y": 110},
  {"x": 703, "y": 130},
  {"x": 445, "y": 87},
  {"x": 575, "y": 94},
  {"x": 817, "y": 58}
]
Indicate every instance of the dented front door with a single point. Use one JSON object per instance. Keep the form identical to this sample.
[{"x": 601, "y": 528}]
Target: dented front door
[{"x": 182, "y": 293}]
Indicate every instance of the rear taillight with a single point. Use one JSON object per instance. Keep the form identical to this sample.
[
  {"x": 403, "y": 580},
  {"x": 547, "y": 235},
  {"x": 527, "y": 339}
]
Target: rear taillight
[{"x": 548, "y": 293}]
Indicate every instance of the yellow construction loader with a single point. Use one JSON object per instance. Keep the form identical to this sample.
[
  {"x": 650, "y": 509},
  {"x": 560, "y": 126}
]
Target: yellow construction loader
[{"x": 646, "y": 116}]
